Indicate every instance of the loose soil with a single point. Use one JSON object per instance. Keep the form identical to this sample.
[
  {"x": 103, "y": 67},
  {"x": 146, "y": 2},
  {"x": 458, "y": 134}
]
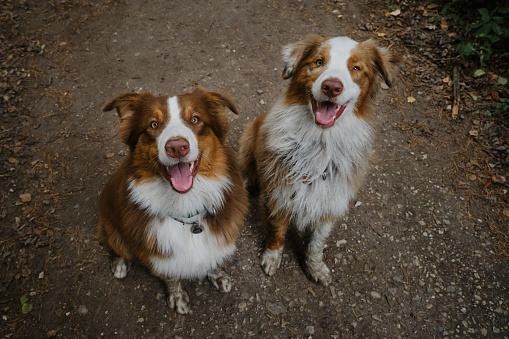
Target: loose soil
[{"x": 422, "y": 252}]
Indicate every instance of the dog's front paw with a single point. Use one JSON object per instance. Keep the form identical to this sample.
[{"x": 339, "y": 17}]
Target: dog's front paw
[
  {"x": 319, "y": 272},
  {"x": 179, "y": 300},
  {"x": 271, "y": 260},
  {"x": 220, "y": 280},
  {"x": 119, "y": 267}
]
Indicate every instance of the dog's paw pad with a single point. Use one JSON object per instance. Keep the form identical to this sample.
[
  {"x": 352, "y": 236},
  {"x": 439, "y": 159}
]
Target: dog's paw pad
[
  {"x": 220, "y": 281},
  {"x": 271, "y": 260},
  {"x": 180, "y": 302},
  {"x": 119, "y": 268},
  {"x": 319, "y": 272}
]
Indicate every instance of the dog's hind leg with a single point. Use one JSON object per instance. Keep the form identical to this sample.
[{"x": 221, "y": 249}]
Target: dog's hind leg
[
  {"x": 315, "y": 267},
  {"x": 177, "y": 296},
  {"x": 220, "y": 280}
]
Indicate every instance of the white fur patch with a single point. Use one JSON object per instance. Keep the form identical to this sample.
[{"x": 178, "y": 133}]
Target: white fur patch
[
  {"x": 312, "y": 152},
  {"x": 161, "y": 200},
  {"x": 337, "y": 68},
  {"x": 186, "y": 255},
  {"x": 176, "y": 128}
]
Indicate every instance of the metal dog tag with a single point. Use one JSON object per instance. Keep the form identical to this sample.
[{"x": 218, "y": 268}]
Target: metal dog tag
[{"x": 196, "y": 228}]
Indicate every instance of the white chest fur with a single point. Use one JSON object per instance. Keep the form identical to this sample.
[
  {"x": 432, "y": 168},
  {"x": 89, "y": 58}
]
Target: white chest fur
[
  {"x": 184, "y": 254},
  {"x": 333, "y": 153}
]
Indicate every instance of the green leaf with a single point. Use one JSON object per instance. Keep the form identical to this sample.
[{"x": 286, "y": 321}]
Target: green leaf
[
  {"x": 488, "y": 112},
  {"x": 473, "y": 96},
  {"x": 479, "y": 73},
  {"x": 502, "y": 81},
  {"x": 464, "y": 50},
  {"x": 485, "y": 14},
  {"x": 24, "y": 299},
  {"x": 26, "y": 308},
  {"x": 503, "y": 10}
]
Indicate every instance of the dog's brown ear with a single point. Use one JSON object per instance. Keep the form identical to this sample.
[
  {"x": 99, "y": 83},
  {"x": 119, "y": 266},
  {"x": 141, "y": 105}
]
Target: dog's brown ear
[
  {"x": 128, "y": 105},
  {"x": 295, "y": 53},
  {"x": 384, "y": 62},
  {"x": 215, "y": 104}
]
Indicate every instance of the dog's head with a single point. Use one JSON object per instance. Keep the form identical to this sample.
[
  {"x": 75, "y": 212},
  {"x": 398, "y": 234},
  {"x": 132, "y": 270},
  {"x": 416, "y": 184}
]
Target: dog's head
[
  {"x": 335, "y": 76},
  {"x": 176, "y": 137}
]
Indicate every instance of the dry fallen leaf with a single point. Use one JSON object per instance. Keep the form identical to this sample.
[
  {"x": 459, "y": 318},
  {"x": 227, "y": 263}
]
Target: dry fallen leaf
[
  {"x": 446, "y": 79},
  {"x": 443, "y": 24},
  {"x": 498, "y": 179},
  {"x": 110, "y": 155},
  {"x": 25, "y": 197},
  {"x": 431, "y": 6},
  {"x": 381, "y": 34},
  {"x": 411, "y": 99},
  {"x": 506, "y": 212},
  {"x": 474, "y": 133},
  {"x": 13, "y": 160},
  {"x": 495, "y": 95}
]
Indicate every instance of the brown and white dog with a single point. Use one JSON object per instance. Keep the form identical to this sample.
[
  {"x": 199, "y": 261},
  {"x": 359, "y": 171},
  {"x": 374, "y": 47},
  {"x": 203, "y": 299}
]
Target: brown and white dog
[
  {"x": 308, "y": 155},
  {"x": 178, "y": 201}
]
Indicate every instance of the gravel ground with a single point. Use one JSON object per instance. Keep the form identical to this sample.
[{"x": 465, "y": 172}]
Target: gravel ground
[{"x": 414, "y": 257}]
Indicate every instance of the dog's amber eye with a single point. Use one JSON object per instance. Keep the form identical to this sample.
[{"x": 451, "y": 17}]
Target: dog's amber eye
[
  {"x": 356, "y": 68},
  {"x": 154, "y": 124},
  {"x": 194, "y": 120},
  {"x": 319, "y": 62}
]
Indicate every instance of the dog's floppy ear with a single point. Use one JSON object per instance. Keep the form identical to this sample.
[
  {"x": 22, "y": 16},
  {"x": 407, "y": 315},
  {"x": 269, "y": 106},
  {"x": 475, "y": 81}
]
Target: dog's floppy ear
[
  {"x": 128, "y": 107},
  {"x": 295, "y": 53},
  {"x": 383, "y": 61},
  {"x": 216, "y": 104}
]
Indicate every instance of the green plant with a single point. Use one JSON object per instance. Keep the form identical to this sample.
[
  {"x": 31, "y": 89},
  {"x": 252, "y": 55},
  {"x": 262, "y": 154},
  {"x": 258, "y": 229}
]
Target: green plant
[{"x": 485, "y": 31}]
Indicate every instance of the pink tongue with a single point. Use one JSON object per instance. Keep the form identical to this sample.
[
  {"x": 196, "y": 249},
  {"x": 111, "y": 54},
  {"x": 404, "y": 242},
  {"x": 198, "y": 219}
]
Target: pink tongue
[
  {"x": 326, "y": 113},
  {"x": 181, "y": 178}
]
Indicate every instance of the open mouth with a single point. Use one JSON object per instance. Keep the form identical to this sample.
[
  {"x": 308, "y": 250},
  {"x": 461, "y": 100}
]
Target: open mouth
[
  {"x": 326, "y": 112},
  {"x": 181, "y": 175}
]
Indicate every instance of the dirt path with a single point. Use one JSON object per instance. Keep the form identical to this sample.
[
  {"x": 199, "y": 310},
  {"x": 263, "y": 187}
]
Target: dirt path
[{"x": 413, "y": 257}]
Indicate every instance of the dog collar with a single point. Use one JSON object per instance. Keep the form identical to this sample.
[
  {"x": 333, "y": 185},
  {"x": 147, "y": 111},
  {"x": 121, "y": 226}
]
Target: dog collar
[{"x": 195, "y": 220}]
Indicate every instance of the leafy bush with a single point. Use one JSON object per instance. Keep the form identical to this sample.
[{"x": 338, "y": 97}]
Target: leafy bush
[{"x": 486, "y": 29}]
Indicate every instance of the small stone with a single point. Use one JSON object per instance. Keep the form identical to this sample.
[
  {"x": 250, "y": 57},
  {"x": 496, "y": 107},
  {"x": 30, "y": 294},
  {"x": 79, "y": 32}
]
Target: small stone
[
  {"x": 41, "y": 275},
  {"x": 140, "y": 320},
  {"x": 484, "y": 331},
  {"x": 259, "y": 91},
  {"x": 358, "y": 203},
  {"x": 262, "y": 102},
  {"x": 377, "y": 317},
  {"x": 310, "y": 329},
  {"x": 82, "y": 310},
  {"x": 375, "y": 294},
  {"x": 340, "y": 242}
]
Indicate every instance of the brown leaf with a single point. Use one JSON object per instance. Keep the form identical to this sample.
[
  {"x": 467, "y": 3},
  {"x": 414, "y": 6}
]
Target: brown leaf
[
  {"x": 474, "y": 133},
  {"x": 495, "y": 95},
  {"x": 506, "y": 212},
  {"x": 431, "y": 6},
  {"x": 443, "y": 24},
  {"x": 498, "y": 178},
  {"x": 51, "y": 333},
  {"x": 110, "y": 155},
  {"x": 25, "y": 197}
]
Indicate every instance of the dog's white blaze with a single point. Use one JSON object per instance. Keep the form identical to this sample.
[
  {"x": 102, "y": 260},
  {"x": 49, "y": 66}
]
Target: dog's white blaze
[
  {"x": 176, "y": 128},
  {"x": 339, "y": 52},
  {"x": 186, "y": 255},
  {"x": 161, "y": 200}
]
